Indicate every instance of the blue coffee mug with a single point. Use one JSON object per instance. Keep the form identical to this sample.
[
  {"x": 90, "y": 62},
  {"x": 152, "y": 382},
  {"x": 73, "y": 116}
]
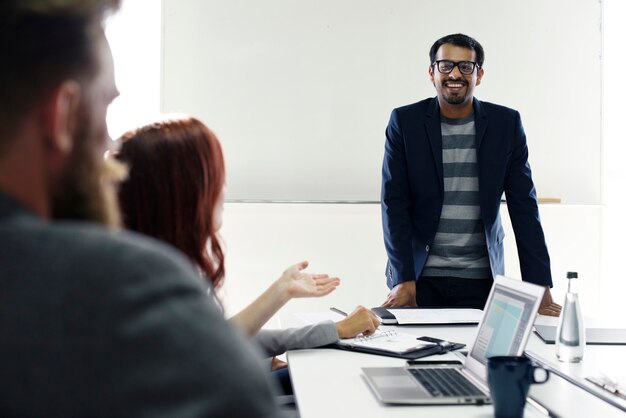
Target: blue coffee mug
[{"x": 509, "y": 379}]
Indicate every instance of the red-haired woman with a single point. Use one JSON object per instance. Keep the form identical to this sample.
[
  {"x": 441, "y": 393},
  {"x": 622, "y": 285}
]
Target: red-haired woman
[{"x": 175, "y": 192}]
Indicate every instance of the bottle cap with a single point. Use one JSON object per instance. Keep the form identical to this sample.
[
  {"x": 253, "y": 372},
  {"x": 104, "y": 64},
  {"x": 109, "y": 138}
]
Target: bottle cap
[{"x": 572, "y": 275}]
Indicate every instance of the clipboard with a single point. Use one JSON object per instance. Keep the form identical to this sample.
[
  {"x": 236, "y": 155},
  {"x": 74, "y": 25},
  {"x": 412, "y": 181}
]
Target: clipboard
[{"x": 431, "y": 347}]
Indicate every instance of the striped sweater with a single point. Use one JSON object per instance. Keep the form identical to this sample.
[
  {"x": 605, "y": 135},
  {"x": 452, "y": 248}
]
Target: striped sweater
[{"x": 459, "y": 248}]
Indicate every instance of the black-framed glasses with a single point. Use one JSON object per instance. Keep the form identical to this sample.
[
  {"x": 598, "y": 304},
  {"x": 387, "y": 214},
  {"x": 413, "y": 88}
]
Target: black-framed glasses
[{"x": 447, "y": 66}]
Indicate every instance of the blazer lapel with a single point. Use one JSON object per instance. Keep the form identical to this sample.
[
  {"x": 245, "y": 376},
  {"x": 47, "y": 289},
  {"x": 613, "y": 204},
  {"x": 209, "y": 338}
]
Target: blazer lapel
[
  {"x": 481, "y": 121},
  {"x": 433, "y": 131}
]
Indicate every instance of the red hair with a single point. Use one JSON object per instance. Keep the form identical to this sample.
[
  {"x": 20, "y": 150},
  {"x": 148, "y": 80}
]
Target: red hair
[{"x": 176, "y": 176}]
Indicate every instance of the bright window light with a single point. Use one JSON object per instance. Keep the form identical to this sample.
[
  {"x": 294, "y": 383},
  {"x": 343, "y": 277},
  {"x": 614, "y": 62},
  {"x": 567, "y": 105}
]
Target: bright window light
[{"x": 134, "y": 34}]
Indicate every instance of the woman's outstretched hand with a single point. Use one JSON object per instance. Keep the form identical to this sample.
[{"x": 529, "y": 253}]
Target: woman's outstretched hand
[
  {"x": 299, "y": 284},
  {"x": 294, "y": 283}
]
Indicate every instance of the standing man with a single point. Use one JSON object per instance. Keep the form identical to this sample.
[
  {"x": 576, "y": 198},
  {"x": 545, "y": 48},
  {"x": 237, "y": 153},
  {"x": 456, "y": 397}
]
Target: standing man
[
  {"x": 447, "y": 162},
  {"x": 93, "y": 322}
]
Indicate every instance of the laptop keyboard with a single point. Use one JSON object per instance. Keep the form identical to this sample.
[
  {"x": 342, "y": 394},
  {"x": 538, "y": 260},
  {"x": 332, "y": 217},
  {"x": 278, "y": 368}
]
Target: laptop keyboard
[{"x": 445, "y": 382}]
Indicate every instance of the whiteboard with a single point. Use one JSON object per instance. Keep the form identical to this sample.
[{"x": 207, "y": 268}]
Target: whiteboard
[{"x": 300, "y": 91}]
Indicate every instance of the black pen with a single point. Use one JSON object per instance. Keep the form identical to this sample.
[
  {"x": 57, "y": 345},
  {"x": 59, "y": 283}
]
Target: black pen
[{"x": 339, "y": 311}]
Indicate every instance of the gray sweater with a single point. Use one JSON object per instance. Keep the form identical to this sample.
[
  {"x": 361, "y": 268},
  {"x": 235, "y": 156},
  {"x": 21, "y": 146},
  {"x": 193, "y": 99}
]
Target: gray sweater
[
  {"x": 277, "y": 341},
  {"x": 101, "y": 324}
]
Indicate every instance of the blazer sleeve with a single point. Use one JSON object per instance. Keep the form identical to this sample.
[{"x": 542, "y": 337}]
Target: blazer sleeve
[
  {"x": 521, "y": 198},
  {"x": 396, "y": 205},
  {"x": 276, "y": 341}
]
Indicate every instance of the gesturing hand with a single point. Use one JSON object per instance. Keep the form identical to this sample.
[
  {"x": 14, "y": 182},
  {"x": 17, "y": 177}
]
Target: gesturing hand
[
  {"x": 293, "y": 283},
  {"x": 299, "y": 284}
]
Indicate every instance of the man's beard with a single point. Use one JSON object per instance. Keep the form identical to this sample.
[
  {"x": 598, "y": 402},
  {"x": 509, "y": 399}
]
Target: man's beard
[
  {"x": 454, "y": 99},
  {"x": 89, "y": 190}
]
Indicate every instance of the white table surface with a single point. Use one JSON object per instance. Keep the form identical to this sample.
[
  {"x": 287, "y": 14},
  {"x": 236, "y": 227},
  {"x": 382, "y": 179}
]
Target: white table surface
[{"x": 330, "y": 383}]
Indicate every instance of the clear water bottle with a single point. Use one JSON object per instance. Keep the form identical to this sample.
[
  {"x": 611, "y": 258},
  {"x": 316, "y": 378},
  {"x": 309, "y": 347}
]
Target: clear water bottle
[{"x": 570, "y": 334}]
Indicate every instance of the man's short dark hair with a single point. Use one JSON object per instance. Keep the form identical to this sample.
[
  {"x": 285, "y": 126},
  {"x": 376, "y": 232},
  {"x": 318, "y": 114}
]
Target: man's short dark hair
[
  {"x": 43, "y": 43},
  {"x": 461, "y": 40}
]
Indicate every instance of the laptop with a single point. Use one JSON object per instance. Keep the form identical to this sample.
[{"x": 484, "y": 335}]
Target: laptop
[{"x": 503, "y": 331}]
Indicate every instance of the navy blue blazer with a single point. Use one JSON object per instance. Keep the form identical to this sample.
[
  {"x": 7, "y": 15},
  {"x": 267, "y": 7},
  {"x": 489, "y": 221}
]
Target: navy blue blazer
[{"x": 412, "y": 189}]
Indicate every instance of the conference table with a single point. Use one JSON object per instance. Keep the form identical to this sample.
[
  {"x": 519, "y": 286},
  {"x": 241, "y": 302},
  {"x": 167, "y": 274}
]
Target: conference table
[{"x": 329, "y": 382}]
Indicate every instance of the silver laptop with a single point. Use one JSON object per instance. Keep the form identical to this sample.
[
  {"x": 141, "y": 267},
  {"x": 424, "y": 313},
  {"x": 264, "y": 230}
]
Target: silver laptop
[{"x": 503, "y": 331}]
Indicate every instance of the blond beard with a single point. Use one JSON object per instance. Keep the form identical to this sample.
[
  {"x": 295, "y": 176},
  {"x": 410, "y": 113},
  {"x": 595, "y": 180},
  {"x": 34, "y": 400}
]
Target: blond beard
[
  {"x": 103, "y": 205},
  {"x": 90, "y": 191}
]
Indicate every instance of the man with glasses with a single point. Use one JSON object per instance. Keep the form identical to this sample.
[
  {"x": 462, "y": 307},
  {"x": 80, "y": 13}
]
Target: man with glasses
[{"x": 447, "y": 162}]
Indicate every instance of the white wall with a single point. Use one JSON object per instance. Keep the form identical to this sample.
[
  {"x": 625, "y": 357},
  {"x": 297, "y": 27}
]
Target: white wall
[
  {"x": 614, "y": 152},
  {"x": 346, "y": 240},
  {"x": 300, "y": 91}
]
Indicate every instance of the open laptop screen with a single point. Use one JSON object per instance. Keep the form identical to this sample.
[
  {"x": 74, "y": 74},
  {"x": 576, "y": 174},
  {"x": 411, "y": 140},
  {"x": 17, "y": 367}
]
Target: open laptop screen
[{"x": 509, "y": 315}]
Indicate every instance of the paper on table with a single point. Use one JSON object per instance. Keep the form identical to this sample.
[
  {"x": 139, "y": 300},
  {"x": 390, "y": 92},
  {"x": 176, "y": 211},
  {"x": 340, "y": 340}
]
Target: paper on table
[
  {"x": 437, "y": 316},
  {"x": 392, "y": 341}
]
